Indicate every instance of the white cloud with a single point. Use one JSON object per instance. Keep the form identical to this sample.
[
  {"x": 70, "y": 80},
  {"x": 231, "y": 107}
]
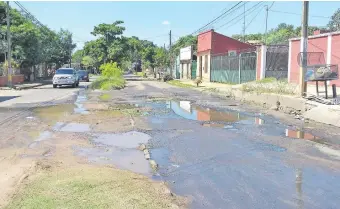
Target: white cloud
[{"x": 165, "y": 22}]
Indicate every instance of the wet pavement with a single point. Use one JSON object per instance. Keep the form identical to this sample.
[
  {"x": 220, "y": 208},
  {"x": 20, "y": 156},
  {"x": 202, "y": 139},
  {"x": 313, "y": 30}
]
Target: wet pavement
[{"x": 229, "y": 159}]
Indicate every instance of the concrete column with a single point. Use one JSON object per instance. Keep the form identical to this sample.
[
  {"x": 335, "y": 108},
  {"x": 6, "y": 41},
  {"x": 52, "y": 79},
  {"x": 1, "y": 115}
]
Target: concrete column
[
  {"x": 263, "y": 61},
  {"x": 289, "y": 59}
]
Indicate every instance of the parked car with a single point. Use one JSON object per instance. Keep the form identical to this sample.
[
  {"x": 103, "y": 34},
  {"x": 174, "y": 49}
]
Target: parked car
[
  {"x": 65, "y": 76},
  {"x": 83, "y": 75}
]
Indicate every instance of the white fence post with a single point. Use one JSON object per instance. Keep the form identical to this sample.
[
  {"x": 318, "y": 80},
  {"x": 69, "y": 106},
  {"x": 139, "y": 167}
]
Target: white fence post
[{"x": 263, "y": 61}]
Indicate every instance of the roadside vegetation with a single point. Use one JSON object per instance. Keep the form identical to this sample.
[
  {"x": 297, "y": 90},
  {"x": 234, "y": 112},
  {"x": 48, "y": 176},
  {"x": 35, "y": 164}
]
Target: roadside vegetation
[
  {"x": 270, "y": 85},
  {"x": 98, "y": 187},
  {"x": 180, "y": 84},
  {"x": 111, "y": 77}
]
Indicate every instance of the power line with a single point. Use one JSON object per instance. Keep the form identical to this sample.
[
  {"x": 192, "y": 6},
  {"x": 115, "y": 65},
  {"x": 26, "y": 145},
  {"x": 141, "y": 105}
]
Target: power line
[
  {"x": 254, "y": 18},
  {"x": 284, "y": 12},
  {"x": 217, "y": 17},
  {"x": 253, "y": 8}
]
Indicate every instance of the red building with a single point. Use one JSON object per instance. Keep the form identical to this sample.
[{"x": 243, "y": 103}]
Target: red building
[
  {"x": 210, "y": 43},
  {"x": 327, "y": 46}
]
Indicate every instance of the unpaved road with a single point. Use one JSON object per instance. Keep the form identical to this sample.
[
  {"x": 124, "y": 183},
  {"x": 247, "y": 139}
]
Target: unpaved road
[
  {"x": 216, "y": 152},
  {"x": 225, "y": 158}
]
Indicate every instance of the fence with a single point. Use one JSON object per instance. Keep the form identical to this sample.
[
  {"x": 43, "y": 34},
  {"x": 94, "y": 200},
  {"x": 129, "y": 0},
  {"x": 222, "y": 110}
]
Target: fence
[
  {"x": 233, "y": 69},
  {"x": 277, "y": 62}
]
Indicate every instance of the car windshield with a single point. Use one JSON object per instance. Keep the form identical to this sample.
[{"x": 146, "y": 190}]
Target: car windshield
[
  {"x": 81, "y": 72},
  {"x": 64, "y": 71}
]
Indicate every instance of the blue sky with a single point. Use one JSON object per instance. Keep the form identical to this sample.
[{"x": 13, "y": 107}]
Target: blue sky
[{"x": 147, "y": 19}]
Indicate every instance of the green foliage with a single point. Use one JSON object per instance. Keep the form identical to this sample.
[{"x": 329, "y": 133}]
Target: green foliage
[
  {"x": 88, "y": 61},
  {"x": 78, "y": 56},
  {"x": 111, "y": 78},
  {"x": 279, "y": 35},
  {"x": 334, "y": 23},
  {"x": 184, "y": 41},
  {"x": 35, "y": 44}
]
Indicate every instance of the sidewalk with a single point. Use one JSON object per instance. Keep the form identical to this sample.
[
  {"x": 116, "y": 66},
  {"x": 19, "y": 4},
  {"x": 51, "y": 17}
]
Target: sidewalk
[
  {"x": 290, "y": 104},
  {"x": 28, "y": 85}
]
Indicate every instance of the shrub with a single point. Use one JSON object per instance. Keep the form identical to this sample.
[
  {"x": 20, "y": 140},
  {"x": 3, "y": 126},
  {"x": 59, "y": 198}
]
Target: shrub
[{"x": 111, "y": 78}]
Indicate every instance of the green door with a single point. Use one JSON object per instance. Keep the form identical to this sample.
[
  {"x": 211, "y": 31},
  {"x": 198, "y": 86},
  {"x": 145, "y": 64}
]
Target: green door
[{"x": 193, "y": 69}]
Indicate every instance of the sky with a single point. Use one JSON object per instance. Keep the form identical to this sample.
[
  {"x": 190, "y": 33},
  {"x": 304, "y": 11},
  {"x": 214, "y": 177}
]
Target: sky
[{"x": 153, "y": 20}]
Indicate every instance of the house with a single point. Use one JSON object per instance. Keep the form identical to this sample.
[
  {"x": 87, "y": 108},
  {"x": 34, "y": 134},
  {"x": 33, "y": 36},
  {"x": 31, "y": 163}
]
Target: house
[
  {"x": 322, "y": 48},
  {"x": 210, "y": 43},
  {"x": 187, "y": 57}
]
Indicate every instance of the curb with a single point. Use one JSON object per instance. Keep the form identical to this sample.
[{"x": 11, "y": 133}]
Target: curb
[{"x": 28, "y": 87}]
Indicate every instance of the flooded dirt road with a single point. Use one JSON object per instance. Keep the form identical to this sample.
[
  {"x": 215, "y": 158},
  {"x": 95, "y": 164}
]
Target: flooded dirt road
[
  {"x": 218, "y": 153},
  {"x": 224, "y": 158}
]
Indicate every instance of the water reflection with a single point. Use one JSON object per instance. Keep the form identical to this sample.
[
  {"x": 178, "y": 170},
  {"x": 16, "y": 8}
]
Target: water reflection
[
  {"x": 186, "y": 110},
  {"x": 298, "y": 184}
]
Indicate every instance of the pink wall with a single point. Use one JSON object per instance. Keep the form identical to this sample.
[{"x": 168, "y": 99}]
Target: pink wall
[
  {"x": 315, "y": 44},
  {"x": 204, "y": 41},
  {"x": 218, "y": 43},
  {"x": 223, "y": 44},
  {"x": 15, "y": 80}
]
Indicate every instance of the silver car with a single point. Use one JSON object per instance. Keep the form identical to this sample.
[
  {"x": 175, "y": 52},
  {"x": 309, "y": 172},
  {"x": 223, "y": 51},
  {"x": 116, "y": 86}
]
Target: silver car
[{"x": 65, "y": 76}]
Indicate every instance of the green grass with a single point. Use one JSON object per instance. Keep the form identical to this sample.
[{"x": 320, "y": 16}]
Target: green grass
[
  {"x": 91, "y": 187},
  {"x": 270, "y": 86},
  {"x": 105, "y": 83},
  {"x": 140, "y": 74},
  {"x": 180, "y": 84},
  {"x": 267, "y": 80}
]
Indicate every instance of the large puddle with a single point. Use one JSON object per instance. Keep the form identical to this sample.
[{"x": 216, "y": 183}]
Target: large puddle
[{"x": 119, "y": 150}]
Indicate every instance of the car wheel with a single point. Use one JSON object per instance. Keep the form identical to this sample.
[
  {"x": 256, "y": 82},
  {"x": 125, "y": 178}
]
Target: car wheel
[
  {"x": 54, "y": 86},
  {"x": 74, "y": 85}
]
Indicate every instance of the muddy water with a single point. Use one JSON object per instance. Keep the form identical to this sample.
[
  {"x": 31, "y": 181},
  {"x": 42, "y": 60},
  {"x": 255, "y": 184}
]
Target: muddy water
[{"x": 238, "y": 160}]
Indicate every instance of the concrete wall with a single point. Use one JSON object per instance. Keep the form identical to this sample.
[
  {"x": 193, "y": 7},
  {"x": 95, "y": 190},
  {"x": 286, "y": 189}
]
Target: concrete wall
[
  {"x": 327, "y": 44},
  {"x": 205, "y": 65},
  {"x": 16, "y": 79}
]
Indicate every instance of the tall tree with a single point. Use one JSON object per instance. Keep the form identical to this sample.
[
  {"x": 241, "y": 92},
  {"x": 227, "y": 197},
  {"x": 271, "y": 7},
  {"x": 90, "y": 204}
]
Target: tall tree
[{"x": 334, "y": 23}]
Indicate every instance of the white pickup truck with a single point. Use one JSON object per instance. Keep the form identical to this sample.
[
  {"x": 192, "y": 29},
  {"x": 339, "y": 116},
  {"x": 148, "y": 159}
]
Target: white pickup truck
[{"x": 65, "y": 76}]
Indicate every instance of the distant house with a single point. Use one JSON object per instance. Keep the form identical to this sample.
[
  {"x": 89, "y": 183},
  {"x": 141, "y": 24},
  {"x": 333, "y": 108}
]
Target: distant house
[{"x": 210, "y": 43}]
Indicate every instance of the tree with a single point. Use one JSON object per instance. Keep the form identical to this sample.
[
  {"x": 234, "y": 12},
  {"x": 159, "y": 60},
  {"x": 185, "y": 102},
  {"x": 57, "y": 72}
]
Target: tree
[
  {"x": 184, "y": 41},
  {"x": 88, "y": 62},
  {"x": 334, "y": 23},
  {"x": 78, "y": 56}
]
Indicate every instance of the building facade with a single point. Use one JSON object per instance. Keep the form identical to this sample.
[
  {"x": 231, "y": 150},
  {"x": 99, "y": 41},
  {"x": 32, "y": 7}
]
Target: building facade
[{"x": 210, "y": 43}]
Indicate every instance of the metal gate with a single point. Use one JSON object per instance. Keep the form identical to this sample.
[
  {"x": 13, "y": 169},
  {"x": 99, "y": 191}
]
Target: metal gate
[
  {"x": 277, "y": 62},
  {"x": 233, "y": 69},
  {"x": 193, "y": 69}
]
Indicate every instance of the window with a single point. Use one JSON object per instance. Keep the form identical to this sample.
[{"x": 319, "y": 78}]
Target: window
[{"x": 64, "y": 71}]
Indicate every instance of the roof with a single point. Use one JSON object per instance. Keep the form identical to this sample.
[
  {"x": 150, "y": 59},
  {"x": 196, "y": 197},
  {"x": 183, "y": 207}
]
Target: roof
[{"x": 318, "y": 36}]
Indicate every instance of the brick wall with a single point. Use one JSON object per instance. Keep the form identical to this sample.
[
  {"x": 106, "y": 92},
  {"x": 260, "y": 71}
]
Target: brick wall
[{"x": 16, "y": 79}]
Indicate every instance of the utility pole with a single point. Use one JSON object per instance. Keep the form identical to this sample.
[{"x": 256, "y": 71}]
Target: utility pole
[
  {"x": 244, "y": 22},
  {"x": 265, "y": 34},
  {"x": 304, "y": 42},
  {"x": 9, "y": 71},
  {"x": 170, "y": 53}
]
